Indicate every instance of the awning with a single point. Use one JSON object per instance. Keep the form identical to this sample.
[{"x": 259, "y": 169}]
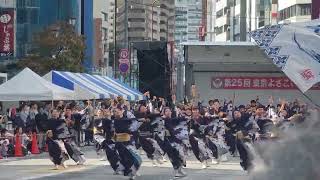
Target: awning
[
  {"x": 89, "y": 86},
  {"x": 29, "y": 86}
]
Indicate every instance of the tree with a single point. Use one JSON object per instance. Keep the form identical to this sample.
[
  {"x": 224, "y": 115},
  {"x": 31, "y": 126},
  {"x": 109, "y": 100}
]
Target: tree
[{"x": 57, "y": 47}]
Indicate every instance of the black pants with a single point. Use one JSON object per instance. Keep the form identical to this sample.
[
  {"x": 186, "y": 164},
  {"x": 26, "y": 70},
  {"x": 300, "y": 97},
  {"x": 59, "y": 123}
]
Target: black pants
[
  {"x": 147, "y": 147},
  {"x": 246, "y": 159},
  {"x": 213, "y": 148},
  {"x": 231, "y": 142},
  {"x": 173, "y": 154},
  {"x": 112, "y": 154}
]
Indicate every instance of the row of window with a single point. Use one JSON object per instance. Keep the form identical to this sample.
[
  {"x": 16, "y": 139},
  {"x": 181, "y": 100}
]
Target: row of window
[{"x": 295, "y": 10}]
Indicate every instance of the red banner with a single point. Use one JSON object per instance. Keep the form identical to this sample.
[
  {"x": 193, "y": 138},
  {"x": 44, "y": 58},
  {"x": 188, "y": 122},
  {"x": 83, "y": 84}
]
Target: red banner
[
  {"x": 7, "y": 32},
  {"x": 254, "y": 83}
]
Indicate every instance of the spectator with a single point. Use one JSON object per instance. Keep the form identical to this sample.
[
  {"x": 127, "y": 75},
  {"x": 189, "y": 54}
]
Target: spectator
[
  {"x": 41, "y": 120},
  {"x": 5, "y": 145}
]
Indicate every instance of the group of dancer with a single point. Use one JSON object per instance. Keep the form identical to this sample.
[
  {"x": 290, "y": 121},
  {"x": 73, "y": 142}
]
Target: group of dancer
[{"x": 211, "y": 133}]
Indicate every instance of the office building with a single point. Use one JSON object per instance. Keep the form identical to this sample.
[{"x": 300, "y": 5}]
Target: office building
[
  {"x": 33, "y": 15},
  {"x": 232, "y": 20},
  {"x": 148, "y": 20},
  {"x": 294, "y": 10},
  {"x": 188, "y": 20}
]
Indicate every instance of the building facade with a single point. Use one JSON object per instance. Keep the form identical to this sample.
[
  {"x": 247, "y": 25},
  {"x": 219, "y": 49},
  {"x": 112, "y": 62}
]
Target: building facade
[
  {"x": 33, "y": 15},
  {"x": 188, "y": 20},
  {"x": 230, "y": 20},
  {"x": 147, "y": 20},
  {"x": 294, "y": 10}
]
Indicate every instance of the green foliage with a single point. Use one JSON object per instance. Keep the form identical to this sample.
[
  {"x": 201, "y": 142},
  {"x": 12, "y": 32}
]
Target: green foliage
[{"x": 57, "y": 47}]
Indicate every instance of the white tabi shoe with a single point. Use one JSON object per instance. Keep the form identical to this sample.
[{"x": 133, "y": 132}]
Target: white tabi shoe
[
  {"x": 64, "y": 165},
  {"x": 204, "y": 165},
  {"x": 164, "y": 159},
  {"x": 180, "y": 171},
  {"x": 224, "y": 158},
  {"x": 177, "y": 174},
  {"x": 214, "y": 162},
  {"x": 154, "y": 163}
]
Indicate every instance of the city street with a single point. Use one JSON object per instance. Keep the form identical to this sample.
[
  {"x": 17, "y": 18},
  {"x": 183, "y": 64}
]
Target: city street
[{"x": 41, "y": 168}]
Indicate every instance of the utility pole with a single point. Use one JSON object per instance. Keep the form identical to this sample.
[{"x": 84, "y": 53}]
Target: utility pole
[
  {"x": 115, "y": 39},
  {"x": 152, "y": 7},
  {"x": 126, "y": 21}
]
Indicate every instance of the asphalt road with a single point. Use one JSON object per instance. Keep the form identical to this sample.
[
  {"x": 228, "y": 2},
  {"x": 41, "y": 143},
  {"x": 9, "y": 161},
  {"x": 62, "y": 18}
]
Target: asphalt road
[{"x": 40, "y": 167}]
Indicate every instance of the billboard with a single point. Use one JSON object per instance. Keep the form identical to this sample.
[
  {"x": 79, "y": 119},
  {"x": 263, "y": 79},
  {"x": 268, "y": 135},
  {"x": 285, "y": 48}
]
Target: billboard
[
  {"x": 7, "y": 32},
  {"x": 263, "y": 83}
]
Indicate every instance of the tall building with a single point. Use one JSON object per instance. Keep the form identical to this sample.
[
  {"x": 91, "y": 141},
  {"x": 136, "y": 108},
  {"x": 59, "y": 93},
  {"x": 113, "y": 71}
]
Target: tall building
[
  {"x": 100, "y": 36},
  {"x": 27, "y": 23},
  {"x": 33, "y": 15},
  {"x": 294, "y": 10},
  {"x": 147, "y": 20},
  {"x": 231, "y": 20},
  {"x": 188, "y": 20}
]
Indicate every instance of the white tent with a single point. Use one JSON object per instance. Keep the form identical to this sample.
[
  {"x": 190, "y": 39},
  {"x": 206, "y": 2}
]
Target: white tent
[{"x": 29, "y": 86}]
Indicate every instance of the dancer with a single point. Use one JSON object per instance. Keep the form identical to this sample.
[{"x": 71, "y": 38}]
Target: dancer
[
  {"x": 147, "y": 135},
  {"x": 215, "y": 141},
  {"x": 129, "y": 159},
  {"x": 57, "y": 156},
  {"x": 103, "y": 135},
  {"x": 60, "y": 132},
  {"x": 70, "y": 141},
  {"x": 176, "y": 133},
  {"x": 197, "y": 137}
]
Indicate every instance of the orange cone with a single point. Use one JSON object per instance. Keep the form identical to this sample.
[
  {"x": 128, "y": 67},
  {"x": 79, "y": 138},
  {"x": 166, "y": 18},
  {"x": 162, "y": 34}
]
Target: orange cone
[
  {"x": 34, "y": 144},
  {"x": 18, "y": 147}
]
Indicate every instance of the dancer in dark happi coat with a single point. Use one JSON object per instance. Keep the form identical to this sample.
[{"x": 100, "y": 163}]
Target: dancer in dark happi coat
[
  {"x": 176, "y": 133},
  {"x": 129, "y": 159},
  {"x": 215, "y": 132},
  {"x": 104, "y": 136},
  {"x": 57, "y": 156},
  {"x": 198, "y": 138},
  {"x": 147, "y": 134},
  {"x": 58, "y": 132}
]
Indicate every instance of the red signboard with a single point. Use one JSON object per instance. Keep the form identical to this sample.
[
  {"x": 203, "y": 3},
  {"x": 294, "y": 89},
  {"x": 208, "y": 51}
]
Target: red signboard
[
  {"x": 7, "y": 32},
  {"x": 254, "y": 83}
]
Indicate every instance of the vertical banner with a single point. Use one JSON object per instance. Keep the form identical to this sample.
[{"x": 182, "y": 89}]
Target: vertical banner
[{"x": 7, "y": 32}]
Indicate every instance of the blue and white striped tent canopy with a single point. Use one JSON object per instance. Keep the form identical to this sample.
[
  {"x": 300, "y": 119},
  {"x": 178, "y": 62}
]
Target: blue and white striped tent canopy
[{"x": 89, "y": 86}]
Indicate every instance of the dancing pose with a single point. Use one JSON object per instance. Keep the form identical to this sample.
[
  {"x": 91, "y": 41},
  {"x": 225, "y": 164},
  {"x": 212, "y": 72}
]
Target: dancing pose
[
  {"x": 198, "y": 125},
  {"x": 129, "y": 159},
  {"x": 176, "y": 133}
]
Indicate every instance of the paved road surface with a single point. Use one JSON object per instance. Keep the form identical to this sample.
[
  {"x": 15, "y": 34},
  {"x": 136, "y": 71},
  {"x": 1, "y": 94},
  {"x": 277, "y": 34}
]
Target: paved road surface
[{"x": 41, "y": 168}]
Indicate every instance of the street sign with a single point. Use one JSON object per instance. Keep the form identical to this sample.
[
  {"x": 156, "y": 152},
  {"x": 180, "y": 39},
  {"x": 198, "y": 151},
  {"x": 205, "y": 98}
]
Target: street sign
[{"x": 124, "y": 62}]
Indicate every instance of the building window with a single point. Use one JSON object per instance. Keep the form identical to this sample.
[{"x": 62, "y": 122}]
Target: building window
[
  {"x": 304, "y": 9},
  {"x": 220, "y": 13},
  {"x": 219, "y": 30},
  {"x": 296, "y": 10},
  {"x": 105, "y": 16},
  {"x": 104, "y": 33}
]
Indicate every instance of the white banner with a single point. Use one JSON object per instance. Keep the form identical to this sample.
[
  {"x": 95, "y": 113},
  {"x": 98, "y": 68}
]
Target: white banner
[{"x": 295, "y": 48}]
